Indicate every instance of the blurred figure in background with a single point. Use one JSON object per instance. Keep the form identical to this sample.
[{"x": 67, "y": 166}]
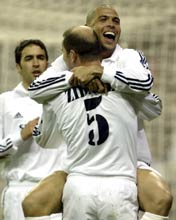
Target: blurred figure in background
[{"x": 25, "y": 162}]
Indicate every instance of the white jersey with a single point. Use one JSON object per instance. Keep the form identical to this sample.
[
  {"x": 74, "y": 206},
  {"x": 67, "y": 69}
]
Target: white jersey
[
  {"x": 126, "y": 71},
  {"x": 27, "y": 160},
  {"x": 100, "y": 132}
]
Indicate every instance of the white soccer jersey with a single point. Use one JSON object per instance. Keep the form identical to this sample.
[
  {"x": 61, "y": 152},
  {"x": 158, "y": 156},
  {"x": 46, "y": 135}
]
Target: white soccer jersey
[
  {"x": 100, "y": 132},
  {"x": 28, "y": 161},
  {"x": 126, "y": 70}
]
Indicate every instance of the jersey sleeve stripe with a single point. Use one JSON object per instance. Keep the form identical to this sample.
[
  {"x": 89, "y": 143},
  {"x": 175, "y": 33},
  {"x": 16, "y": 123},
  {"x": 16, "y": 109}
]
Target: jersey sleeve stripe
[
  {"x": 135, "y": 83},
  {"x": 4, "y": 148},
  {"x": 44, "y": 83}
]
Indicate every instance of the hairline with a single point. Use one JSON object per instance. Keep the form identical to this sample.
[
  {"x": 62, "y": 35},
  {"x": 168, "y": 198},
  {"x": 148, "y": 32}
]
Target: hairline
[{"x": 91, "y": 14}]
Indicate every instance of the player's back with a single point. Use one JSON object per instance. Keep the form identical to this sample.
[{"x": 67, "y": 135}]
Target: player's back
[{"x": 100, "y": 132}]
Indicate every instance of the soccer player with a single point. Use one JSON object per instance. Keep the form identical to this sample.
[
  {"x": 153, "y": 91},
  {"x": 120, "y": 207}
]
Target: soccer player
[
  {"x": 100, "y": 131},
  {"x": 25, "y": 162},
  {"x": 154, "y": 194}
]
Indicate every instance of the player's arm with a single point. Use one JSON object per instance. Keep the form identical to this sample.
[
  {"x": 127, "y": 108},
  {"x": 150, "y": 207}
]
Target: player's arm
[
  {"x": 150, "y": 107},
  {"x": 147, "y": 107},
  {"x": 41, "y": 132},
  {"x": 57, "y": 79},
  {"x": 52, "y": 82},
  {"x": 10, "y": 143},
  {"x": 45, "y": 132},
  {"x": 7, "y": 146},
  {"x": 134, "y": 79},
  {"x": 129, "y": 74},
  {"x": 132, "y": 75}
]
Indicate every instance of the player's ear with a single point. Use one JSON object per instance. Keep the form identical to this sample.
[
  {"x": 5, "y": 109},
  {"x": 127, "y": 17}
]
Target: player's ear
[
  {"x": 18, "y": 67},
  {"x": 73, "y": 56}
]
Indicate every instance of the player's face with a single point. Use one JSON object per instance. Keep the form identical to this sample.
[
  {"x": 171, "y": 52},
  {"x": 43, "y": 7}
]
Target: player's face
[
  {"x": 106, "y": 24},
  {"x": 33, "y": 63}
]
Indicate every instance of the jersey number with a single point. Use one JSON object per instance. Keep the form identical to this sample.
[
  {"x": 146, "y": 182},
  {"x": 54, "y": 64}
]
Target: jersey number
[{"x": 99, "y": 135}]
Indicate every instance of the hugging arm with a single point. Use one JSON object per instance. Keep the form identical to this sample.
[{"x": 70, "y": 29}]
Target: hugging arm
[{"x": 130, "y": 74}]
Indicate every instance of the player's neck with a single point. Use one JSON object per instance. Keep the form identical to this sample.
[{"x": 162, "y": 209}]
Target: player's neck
[
  {"x": 92, "y": 62},
  {"x": 106, "y": 53},
  {"x": 25, "y": 85}
]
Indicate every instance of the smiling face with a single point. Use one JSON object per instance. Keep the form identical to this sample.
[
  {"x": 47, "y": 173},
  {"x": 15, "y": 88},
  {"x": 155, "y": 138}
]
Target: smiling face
[
  {"x": 32, "y": 64},
  {"x": 106, "y": 23}
]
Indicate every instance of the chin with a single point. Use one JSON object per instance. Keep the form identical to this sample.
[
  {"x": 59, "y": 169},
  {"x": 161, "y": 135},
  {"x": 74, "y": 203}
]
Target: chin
[{"x": 109, "y": 47}]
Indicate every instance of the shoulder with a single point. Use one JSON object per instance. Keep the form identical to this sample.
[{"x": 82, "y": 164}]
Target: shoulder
[
  {"x": 59, "y": 64},
  {"x": 126, "y": 52},
  {"x": 5, "y": 98},
  {"x": 134, "y": 56},
  {"x": 11, "y": 94},
  {"x": 6, "y": 95}
]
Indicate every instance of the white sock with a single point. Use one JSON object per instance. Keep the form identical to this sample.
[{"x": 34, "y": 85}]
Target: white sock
[
  {"x": 150, "y": 216},
  {"x": 57, "y": 216}
]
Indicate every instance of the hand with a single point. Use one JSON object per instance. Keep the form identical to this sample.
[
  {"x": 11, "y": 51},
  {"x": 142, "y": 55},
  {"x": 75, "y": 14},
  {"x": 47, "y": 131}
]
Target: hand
[
  {"x": 26, "y": 132},
  {"x": 83, "y": 75},
  {"x": 96, "y": 85}
]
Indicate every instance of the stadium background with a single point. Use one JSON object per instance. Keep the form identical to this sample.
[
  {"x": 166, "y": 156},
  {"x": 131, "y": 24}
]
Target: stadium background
[{"x": 148, "y": 25}]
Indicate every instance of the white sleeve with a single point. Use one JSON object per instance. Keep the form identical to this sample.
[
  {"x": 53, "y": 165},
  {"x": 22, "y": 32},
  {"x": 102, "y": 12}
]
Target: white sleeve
[
  {"x": 42, "y": 131},
  {"x": 143, "y": 150},
  {"x": 7, "y": 147},
  {"x": 130, "y": 73},
  {"x": 150, "y": 107},
  {"x": 10, "y": 142},
  {"x": 53, "y": 81},
  {"x": 147, "y": 107},
  {"x": 46, "y": 132}
]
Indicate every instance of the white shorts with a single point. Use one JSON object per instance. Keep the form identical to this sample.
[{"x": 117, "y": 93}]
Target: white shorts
[
  {"x": 57, "y": 216},
  {"x": 109, "y": 198},
  {"x": 12, "y": 197}
]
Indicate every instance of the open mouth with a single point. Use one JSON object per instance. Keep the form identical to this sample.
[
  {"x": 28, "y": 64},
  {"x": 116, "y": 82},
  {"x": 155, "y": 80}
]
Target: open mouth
[
  {"x": 36, "y": 73},
  {"x": 109, "y": 35}
]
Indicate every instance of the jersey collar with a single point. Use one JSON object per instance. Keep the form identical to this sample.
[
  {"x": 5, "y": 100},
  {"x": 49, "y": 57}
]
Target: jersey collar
[{"x": 114, "y": 57}]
